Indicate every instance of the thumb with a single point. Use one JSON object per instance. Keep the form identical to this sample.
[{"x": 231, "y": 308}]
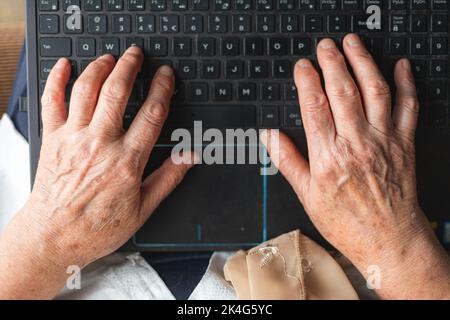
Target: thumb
[{"x": 286, "y": 157}]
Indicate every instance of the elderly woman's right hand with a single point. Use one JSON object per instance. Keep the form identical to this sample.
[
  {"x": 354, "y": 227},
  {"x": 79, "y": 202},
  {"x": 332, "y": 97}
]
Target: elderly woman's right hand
[{"x": 359, "y": 185}]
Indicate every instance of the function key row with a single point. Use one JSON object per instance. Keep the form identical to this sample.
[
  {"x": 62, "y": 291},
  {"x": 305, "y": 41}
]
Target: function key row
[{"x": 203, "y": 5}]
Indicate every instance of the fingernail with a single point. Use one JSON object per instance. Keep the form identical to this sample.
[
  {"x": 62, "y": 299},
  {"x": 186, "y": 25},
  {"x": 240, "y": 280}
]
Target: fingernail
[
  {"x": 327, "y": 44},
  {"x": 406, "y": 64},
  {"x": 304, "y": 63},
  {"x": 166, "y": 71},
  {"x": 354, "y": 40}
]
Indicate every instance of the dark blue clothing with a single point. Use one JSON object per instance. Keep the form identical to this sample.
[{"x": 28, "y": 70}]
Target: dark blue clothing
[{"x": 180, "y": 271}]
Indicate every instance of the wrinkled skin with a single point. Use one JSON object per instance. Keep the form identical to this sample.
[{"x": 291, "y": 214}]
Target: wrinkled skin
[
  {"x": 359, "y": 185},
  {"x": 88, "y": 198}
]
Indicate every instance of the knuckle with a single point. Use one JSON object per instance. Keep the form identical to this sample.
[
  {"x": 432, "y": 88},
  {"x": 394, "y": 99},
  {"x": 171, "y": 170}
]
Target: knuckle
[
  {"x": 84, "y": 88},
  {"x": 164, "y": 84},
  {"x": 128, "y": 172},
  {"x": 411, "y": 105},
  {"x": 378, "y": 88},
  {"x": 155, "y": 114},
  {"x": 50, "y": 97},
  {"x": 344, "y": 90},
  {"x": 313, "y": 101},
  {"x": 116, "y": 90},
  {"x": 364, "y": 55},
  {"x": 332, "y": 56},
  {"x": 132, "y": 58}
]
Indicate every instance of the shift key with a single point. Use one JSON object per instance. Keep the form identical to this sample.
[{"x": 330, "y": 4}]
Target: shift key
[{"x": 56, "y": 47}]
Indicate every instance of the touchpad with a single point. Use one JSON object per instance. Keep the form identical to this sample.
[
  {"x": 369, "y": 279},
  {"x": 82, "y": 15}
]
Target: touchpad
[{"x": 218, "y": 206}]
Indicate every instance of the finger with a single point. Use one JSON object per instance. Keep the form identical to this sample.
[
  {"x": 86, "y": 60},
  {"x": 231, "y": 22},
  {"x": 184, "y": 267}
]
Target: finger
[
  {"x": 86, "y": 90},
  {"x": 316, "y": 113},
  {"x": 286, "y": 157},
  {"x": 375, "y": 91},
  {"x": 53, "y": 104},
  {"x": 114, "y": 95},
  {"x": 343, "y": 94},
  {"x": 146, "y": 127},
  {"x": 406, "y": 112},
  {"x": 162, "y": 182}
]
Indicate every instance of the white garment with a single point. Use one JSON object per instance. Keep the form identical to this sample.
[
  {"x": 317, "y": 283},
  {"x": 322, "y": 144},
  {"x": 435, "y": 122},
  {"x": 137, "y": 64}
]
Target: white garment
[{"x": 119, "y": 276}]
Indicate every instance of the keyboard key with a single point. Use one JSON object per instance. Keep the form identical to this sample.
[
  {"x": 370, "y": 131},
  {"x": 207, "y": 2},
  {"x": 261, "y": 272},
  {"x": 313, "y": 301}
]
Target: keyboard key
[
  {"x": 437, "y": 115},
  {"x": 399, "y": 4},
  {"x": 440, "y": 23},
  {"x": 72, "y": 24},
  {"x": 145, "y": 23},
  {"x": 46, "y": 67},
  {"x": 134, "y": 41},
  {"x": 200, "y": 5},
  {"x": 193, "y": 23},
  {"x": 48, "y": 5},
  {"x": 308, "y": 5},
  {"x": 419, "y": 23},
  {"x": 242, "y": 23},
  {"x": 197, "y": 92},
  {"x": 244, "y": 4},
  {"x": 86, "y": 47},
  {"x": 349, "y": 5},
  {"x": 218, "y": 23},
  {"x": 92, "y": 5},
  {"x": 182, "y": 47},
  {"x": 264, "y": 5},
  {"x": 169, "y": 23},
  {"x": 265, "y": 23},
  {"x": 437, "y": 90},
  {"x": 290, "y": 23},
  {"x": 419, "y": 46},
  {"x": 206, "y": 46},
  {"x": 270, "y": 92},
  {"x": 398, "y": 23},
  {"x": 136, "y": 5},
  {"x": 419, "y": 5},
  {"x": 302, "y": 47},
  {"x": 258, "y": 69},
  {"x": 290, "y": 92},
  {"x": 187, "y": 69},
  {"x": 270, "y": 117},
  {"x": 121, "y": 23},
  {"x": 313, "y": 23},
  {"x": 55, "y": 47},
  {"x": 179, "y": 5},
  {"x": 247, "y": 91},
  {"x": 279, "y": 46},
  {"x": 439, "y": 68},
  {"x": 292, "y": 117},
  {"x": 440, "y": 4},
  {"x": 114, "y": 5},
  {"x": 157, "y": 47},
  {"x": 111, "y": 46},
  {"x": 158, "y": 5},
  {"x": 235, "y": 69},
  {"x": 222, "y": 4},
  {"x": 49, "y": 24},
  {"x": 282, "y": 69},
  {"x": 439, "y": 46},
  {"x": 397, "y": 46},
  {"x": 330, "y": 4},
  {"x": 337, "y": 23},
  {"x": 230, "y": 46},
  {"x": 254, "y": 46},
  {"x": 211, "y": 69},
  {"x": 223, "y": 91},
  {"x": 420, "y": 68},
  {"x": 97, "y": 24},
  {"x": 286, "y": 4}
]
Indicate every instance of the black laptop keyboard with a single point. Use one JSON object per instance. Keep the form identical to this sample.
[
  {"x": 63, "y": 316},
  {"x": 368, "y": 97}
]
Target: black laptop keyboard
[{"x": 234, "y": 58}]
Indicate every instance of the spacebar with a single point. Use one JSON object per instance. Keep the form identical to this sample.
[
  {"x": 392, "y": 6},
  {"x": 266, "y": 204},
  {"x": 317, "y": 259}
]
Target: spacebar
[{"x": 231, "y": 116}]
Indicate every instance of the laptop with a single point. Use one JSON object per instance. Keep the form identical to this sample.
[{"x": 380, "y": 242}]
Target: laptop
[{"x": 233, "y": 62}]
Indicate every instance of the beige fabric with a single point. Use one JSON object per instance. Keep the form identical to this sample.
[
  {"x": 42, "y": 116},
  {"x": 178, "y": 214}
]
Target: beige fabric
[{"x": 290, "y": 267}]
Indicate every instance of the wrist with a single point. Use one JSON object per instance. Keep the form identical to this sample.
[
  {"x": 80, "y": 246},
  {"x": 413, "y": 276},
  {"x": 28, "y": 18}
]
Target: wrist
[
  {"x": 27, "y": 266},
  {"x": 413, "y": 266}
]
